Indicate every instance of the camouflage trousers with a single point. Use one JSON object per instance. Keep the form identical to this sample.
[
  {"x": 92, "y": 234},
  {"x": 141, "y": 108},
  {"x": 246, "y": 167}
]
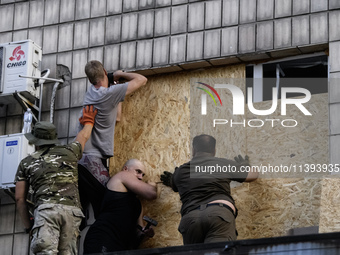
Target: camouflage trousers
[{"x": 56, "y": 229}]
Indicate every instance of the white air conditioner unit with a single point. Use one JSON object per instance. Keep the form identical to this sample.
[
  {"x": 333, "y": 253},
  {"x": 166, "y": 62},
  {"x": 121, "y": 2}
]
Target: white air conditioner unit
[
  {"x": 13, "y": 148},
  {"x": 19, "y": 58}
]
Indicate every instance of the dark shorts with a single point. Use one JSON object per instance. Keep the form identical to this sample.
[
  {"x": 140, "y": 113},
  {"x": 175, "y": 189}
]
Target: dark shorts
[{"x": 208, "y": 225}]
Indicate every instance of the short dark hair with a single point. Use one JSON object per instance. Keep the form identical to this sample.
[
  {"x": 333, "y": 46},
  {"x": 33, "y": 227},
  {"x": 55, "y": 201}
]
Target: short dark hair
[{"x": 204, "y": 143}]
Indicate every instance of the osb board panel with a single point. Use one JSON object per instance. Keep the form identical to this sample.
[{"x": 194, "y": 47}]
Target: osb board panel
[
  {"x": 279, "y": 204},
  {"x": 330, "y": 205},
  {"x": 230, "y": 141},
  {"x": 155, "y": 128},
  {"x": 270, "y": 207},
  {"x": 292, "y": 147}
]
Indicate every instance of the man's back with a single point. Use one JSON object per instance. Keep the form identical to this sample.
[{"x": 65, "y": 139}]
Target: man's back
[
  {"x": 116, "y": 225},
  {"x": 106, "y": 95},
  {"x": 208, "y": 209},
  {"x": 52, "y": 173},
  {"x": 197, "y": 186},
  {"x": 106, "y": 101}
]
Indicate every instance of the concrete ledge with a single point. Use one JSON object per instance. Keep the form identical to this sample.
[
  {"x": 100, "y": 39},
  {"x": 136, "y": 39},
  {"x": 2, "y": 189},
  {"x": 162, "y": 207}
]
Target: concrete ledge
[
  {"x": 313, "y": 48},
  {"x": 167, "y": 69},
  {"x": 194, "y": 65},
  {"x": 236, "y": 59},
  {"x": 224, "y": 61}
]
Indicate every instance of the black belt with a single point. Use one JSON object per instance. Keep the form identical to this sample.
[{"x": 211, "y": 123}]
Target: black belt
[{"x": 202, "y": 207}]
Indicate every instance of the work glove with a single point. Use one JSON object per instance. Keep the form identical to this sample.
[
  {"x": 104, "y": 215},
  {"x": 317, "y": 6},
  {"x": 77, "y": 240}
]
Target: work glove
[
  {"x": 166, "y": 178},
  {"x": 88, "y": 115},
  {"x": 242, "y": 161}
]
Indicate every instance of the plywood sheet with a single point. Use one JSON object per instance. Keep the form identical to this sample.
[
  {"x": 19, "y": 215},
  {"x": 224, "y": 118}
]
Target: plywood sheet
[
  {"x": 270, "y": 207},
  {"x": 156, "y": 129},
  {"x": 330, "y": 205}
]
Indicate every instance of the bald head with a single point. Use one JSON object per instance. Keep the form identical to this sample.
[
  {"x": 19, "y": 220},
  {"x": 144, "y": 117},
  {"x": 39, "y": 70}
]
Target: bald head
[
  {"x": 135, "y": 166},
  {"x": 132, "y": 162}
]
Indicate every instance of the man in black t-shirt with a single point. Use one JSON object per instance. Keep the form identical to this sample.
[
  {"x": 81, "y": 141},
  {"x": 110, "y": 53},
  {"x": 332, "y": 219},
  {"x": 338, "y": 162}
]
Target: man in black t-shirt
[{"x": 208, "y": 209}]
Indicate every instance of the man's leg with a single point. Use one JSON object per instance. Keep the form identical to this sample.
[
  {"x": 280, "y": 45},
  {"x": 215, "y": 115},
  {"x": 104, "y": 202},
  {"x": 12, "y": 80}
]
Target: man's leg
[
  {"x": 93, "y": 177},
  {"x": 221, "y": 225},
  {"x": 45, "y": 232},
  {"x": 69, "y": 231},
  {"x": 191, "y": 228},
  {"x": 90, "y": 190}
]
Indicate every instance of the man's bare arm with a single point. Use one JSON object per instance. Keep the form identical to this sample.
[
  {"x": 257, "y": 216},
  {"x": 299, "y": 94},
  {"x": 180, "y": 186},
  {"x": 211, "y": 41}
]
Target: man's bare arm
[
  {"x": 21, "y": 190},
  {"x": 88, "y": 121},
  {"x": 252, "y": 176},
  {"x": 84, "y": 135},
  {"x": 140, "y": 188},
  {"x": 119, "y": 112},
  {"x": 135, "y": 80}
]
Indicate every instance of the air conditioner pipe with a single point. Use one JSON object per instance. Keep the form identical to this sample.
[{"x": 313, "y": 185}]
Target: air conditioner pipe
[
  {"x": 64, "y": 73},
  {"x": 54, "y": 93},
  {"x": 41, "y": 81}
]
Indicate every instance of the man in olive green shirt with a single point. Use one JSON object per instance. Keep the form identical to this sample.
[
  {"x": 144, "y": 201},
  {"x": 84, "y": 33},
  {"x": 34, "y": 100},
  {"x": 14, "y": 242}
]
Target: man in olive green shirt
[
  {"x": 52, "y": 173},
  {"x": 208, "y": 209}
]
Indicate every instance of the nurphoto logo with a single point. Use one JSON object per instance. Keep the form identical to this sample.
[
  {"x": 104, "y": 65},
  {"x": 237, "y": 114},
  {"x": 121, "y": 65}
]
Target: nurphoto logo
[{"x": 239, "y": 103}]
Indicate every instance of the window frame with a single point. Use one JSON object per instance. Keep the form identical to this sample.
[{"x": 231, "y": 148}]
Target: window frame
[{"x": 257, "y": 77}]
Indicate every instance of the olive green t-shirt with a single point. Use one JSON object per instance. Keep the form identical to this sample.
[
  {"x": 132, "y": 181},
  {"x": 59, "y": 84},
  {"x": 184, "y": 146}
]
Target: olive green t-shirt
[{"x": 197, "y": 186}]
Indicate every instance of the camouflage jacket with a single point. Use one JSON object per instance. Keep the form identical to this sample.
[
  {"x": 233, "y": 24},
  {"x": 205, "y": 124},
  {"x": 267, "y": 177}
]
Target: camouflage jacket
[{"x": 52, "y": 173}]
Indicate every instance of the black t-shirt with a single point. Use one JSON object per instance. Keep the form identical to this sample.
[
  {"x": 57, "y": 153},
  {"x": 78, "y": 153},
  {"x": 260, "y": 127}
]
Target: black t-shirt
[{"x": 205, "y": 179}]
